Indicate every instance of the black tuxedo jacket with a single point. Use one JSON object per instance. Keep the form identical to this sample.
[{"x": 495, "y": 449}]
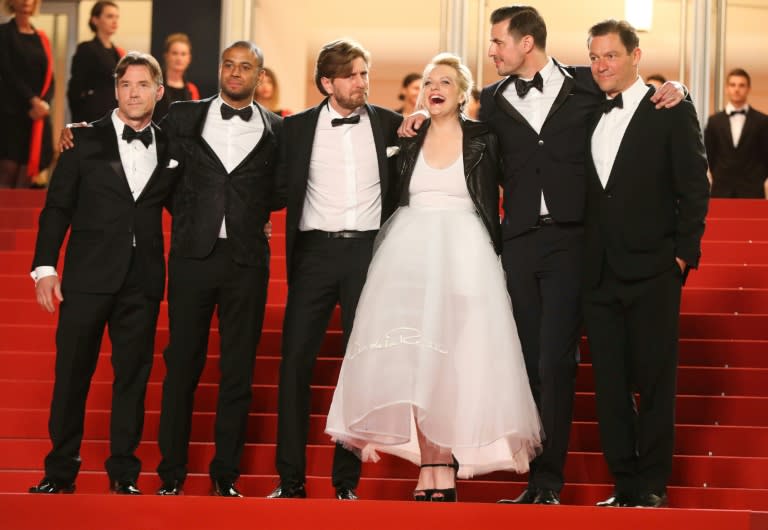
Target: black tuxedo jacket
[
  {"x": 206, "y": 192},
  {"x": 653, "y": 206},
  {"x": 296, "y": 152},
  {"x": 90, "y": 194},
  {"x": 552, "y": 161},
  {"x": 738, "y": 171},
  {"x": 91, "y": 89}
]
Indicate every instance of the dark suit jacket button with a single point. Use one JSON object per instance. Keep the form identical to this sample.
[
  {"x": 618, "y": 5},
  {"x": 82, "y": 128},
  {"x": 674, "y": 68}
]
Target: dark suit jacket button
[
  {"x": 609, "y": 196},
  {"x": 541, "y": 142}
]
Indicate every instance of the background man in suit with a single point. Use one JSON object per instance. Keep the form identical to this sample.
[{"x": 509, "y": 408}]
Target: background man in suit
[
  {"x": 737, "y": 144},
  {"x": 647, "y": 196},
  {"x": 336, "y": 172},
  {"x": 219, "y": 261},
  {"x": 110, "y": 190}
]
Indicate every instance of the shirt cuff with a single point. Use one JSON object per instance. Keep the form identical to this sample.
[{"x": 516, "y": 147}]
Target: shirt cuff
[{"x": 41, "y": 272}]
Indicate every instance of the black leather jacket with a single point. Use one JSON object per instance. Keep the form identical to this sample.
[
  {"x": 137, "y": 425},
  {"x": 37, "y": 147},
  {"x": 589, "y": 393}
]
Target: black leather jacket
[{"x": 482, "y": 170}]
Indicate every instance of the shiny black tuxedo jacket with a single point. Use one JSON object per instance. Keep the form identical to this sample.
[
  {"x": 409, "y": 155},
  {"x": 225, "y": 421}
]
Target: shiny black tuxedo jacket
[
  {"x": 296, "y": 152},
  {"x": 90, "y": 194},
  {"x": 738, "y": 171},
  {"x": 206, "y": 192},
  {"x": 653, "y": 206},
  {"x": 552, "y": 160}
]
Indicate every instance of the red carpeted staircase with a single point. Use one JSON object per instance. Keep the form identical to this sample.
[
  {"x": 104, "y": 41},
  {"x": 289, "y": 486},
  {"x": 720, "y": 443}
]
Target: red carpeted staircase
[{"x": 721, "y": 457}]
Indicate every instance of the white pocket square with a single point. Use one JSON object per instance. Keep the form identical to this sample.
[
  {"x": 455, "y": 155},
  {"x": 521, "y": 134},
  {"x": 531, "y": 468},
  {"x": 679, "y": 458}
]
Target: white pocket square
[
  {"x": 172, "y": 163},
  {"x": 392, "y": 150}
]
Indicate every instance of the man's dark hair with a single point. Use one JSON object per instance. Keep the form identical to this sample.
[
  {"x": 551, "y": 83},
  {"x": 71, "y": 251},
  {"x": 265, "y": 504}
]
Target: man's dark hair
[
  {"x": 622, "y": 28},
  {"x": 335, "y": 60},
  {"x": 139, "y": 59},
  {"x": 740, "y": 72},
  {"x": 523, "y": 20},
  {"x": 247, "y": 45}
]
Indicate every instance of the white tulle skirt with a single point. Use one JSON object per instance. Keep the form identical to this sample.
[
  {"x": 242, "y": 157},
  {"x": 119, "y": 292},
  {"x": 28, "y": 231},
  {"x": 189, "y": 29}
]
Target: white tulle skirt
[{"x": 434, "y": 344}]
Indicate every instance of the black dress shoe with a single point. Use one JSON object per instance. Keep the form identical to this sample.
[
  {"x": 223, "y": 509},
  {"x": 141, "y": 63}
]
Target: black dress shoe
[
  {"x": 124, "y": 487},
  {"x": 547, "y": 496},
  {"x": 617, "y": 500},
  {"x": 288, "y": 491},
  {"x": 172, "y": 487},
  {"x": 346, "y": 494},
  {"x": 48, "y": 485},
  {"x": 652, "y": 500},
  {"x": 526, "y": 497},
  {"x": 223, "y": 488}
]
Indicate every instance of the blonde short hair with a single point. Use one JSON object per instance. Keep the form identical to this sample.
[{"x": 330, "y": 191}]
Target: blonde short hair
[
  {"x": 8, "y": 6},
  {"x": 463, "y": 75}
]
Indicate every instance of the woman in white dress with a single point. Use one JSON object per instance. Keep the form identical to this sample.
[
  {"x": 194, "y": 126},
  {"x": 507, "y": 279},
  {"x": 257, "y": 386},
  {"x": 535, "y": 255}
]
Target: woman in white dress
[{"x": 433, "y": 371}]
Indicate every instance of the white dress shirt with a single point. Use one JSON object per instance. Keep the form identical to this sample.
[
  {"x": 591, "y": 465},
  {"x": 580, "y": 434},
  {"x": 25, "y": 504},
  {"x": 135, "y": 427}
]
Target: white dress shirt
[
  {"x": 611, "y": 128},
  {"x": 737, "y": 122},
  {"x": 343, "y": 189},
  {"x": 232, "y": 140},
  {"x": 138, "y": 163},
  {"x": 535, "y": 106}
]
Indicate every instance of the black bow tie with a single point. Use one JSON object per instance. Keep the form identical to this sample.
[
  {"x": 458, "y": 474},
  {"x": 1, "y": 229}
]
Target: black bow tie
[
  {"x": 523, "y": 87},
  {"x": 735, "y": 112},
  {"x": 145, "y": 135},
  {"x": 615, "y": 103},
  {"x": 227, "y": 112},
  {"x": 354, "y": 118}
]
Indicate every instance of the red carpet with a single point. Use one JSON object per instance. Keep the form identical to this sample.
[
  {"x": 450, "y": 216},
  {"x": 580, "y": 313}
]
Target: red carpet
[{"x": 720, "y": 478}]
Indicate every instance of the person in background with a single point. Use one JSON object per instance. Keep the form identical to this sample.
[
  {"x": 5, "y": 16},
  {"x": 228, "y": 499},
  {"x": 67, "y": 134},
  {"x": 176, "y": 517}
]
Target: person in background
[
  {"x": 737, "y": 144},
  {"x": 91, "y": 91},
  {"x": 177, "y": 56},
  {"x": 267, "y": 93},
  {"x": 473, "y": 106},
  {"x": 26, "y": 91},
  {"x": 656, "y": 80},
  {"x": 434, "y": 343},
  {"x": 409, "y": 93}
]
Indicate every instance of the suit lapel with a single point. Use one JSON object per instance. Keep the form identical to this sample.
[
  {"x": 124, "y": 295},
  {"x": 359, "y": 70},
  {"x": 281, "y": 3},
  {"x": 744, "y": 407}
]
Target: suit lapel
[
  {"x": 749, "y": 124},
  {"x": 631, "y": 136},
  {"x": 506, "y": 106},
  {"x": 304, "y": 154},
  {"x": 204, "y": 107},
  {"x": 381, "y": 150},
  {"x": 111, "y": 154},
  {"x": 565, "y": 91}
]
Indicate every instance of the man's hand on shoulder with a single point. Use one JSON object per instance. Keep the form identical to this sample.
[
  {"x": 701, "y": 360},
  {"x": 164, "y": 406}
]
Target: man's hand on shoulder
[
  {"x": 66, "y": 138},
  {"x": 669, "y": 95}
]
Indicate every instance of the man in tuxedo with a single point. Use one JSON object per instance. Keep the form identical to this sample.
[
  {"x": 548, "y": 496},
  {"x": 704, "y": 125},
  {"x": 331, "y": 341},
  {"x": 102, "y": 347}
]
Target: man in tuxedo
[
  {"x": 336, "y": 170},
  {"x": 219, "y": 260},
  {"x": 737, "y": 144},
  {"x": 109, "y": 191},
  {"x": 647, "y": 197},
  {"x": 539, "y": 113}
]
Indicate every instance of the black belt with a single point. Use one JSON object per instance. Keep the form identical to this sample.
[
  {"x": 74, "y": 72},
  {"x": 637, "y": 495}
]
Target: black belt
[{"x": 343, "y": 234}]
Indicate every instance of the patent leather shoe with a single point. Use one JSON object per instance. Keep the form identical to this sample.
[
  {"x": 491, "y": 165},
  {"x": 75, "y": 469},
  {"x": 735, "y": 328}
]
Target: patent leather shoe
[
  {"x": 171, "y": 487},
  {"x": 288, "y": 491},
  {"x": 617, "y": 500},
  {"x": 652, "y": 500},
  {"x": 526, "y": 497},
  {"x": 223, "y": 488},
  {"x": 346, "y": 494},
  {"x": 547, "y": 496},
  {"x": 124, "y": 487},
  {"x": 48, "y": 485}
]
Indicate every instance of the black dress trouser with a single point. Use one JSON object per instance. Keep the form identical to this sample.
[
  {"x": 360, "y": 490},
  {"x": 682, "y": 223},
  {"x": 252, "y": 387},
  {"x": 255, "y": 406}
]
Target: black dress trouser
[
  {"x": 325, "y": 272},
  {"x": 131, "y": 317},
  {"x": 544, "y": 279},
  {"x": 197, "y": 287}
]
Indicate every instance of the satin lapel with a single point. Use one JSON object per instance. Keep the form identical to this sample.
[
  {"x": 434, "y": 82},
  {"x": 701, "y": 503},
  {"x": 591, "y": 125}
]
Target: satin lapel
[
  {"x": 594, "y": 119},
  {"x": 381, "y": 148},
  {"x": 749, "y": 124},
  {"x": 199, "y": 126},
  {"x": 161, "y": 145},
  {"x": 506, "y": 106},
  {"x": 632, "y": 136},
  {"x": 303, "y": 150},
  {"x": 562, "y": 96},
  {"x": 111, "y": 154},
  {"x": 267, "y": 133}
]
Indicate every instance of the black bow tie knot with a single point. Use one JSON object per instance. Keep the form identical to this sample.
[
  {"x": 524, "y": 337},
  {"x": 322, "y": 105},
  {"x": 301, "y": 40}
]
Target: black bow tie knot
[
  {"x": 739, "y": 111},
  {"x": 352, "y": 119},
  {"x": 227, "y": 112},
  {"x": 615, "y": 103},
  {"x": 523, "y": 87},
  {"x": 145, "y": 135}
]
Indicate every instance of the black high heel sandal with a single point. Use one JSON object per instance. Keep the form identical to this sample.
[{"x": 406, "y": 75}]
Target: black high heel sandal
[
  {"x": 448, "y": 494},
  {"x": 424, "y": 495}
]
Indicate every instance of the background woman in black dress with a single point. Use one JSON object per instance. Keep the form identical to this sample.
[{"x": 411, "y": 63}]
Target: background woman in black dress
[
  {"x": 91, "y": 91},
  {"x": 178, "y": 56},
  {"x": 26, "y": 90}
]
